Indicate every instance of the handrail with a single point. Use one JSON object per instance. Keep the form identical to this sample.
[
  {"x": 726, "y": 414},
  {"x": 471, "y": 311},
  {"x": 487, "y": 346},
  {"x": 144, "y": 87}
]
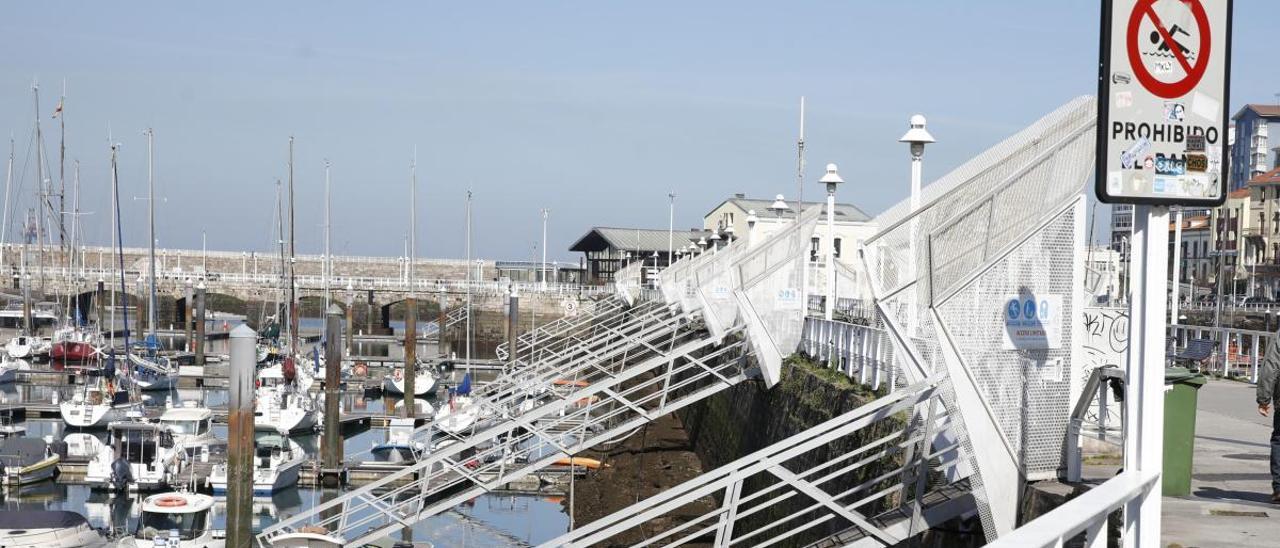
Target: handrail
[{"x": 1086, "y": 513}]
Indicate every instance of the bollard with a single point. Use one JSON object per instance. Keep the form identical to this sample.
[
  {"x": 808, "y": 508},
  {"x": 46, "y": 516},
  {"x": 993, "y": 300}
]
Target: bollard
[
  {"x": 410, "y": 355},
  {"x": 331, "y": 472},
  {"x": 240, "y": 436},
  {"x": 200, "y": 324},
  {"x": 513, "y": 326}
]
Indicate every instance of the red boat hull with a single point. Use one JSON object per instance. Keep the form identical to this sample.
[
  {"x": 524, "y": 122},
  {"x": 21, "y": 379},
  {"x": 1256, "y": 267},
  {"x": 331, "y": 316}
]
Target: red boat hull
[{"x": 71, "y": 351}]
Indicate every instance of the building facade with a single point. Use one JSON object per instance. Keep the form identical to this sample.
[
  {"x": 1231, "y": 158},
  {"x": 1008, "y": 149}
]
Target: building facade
[{"x": 1252, "y": 151}]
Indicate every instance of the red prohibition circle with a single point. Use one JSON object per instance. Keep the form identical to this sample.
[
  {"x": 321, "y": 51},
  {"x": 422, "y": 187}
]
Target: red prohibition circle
[{"x": 1167, "y": 90}]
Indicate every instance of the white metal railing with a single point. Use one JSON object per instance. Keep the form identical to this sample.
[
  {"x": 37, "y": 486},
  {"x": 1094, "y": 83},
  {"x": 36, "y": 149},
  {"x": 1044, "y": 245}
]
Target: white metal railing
[
  {"x": 82, "y": 276},
  {"x": 1093, "y": 411},
  {"x": 1086, "y": 514},
  {"x": 864, "y": 354},
  {"x": 1238, "y": 351}
]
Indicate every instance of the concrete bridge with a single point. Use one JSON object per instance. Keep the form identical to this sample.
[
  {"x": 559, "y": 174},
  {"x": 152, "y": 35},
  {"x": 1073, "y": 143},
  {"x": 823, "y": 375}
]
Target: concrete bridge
[{"x": 248, "y": 277}]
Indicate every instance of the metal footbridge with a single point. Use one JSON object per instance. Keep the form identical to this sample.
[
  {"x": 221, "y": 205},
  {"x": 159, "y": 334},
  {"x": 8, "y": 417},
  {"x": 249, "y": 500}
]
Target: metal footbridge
[{"x": 956, "y": 433}]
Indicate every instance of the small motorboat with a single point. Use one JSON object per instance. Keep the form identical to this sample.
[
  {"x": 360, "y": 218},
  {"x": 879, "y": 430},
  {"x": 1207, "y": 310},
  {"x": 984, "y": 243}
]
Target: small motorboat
[
  {"x": 9, "y": 368},
  {"x": 48, "y": 529},
  {"x": 82, "y": 446},
  {"x": 400, "y": 446},
  {"x": 192, "y": 430},
  {"x": 276, "y": 464},
  {"x": 176, "y": 520},
  {"x": 24, "y": 461},
  {"x": 138, "y": 456},
  {"x": 308, "y": 537}
]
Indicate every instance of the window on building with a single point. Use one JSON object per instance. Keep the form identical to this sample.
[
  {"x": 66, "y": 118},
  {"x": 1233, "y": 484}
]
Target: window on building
[
  {"x": 836, "y": 242},
  {"x": 813, "y": 248}
]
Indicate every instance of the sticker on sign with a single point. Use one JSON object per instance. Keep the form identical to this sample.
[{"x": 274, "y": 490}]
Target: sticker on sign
[{"x": 1163, "y": 96}]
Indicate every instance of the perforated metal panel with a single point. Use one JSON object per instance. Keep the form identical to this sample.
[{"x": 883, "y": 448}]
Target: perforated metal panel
[
  {"x": 1002, "y": 224},
  {"x": 769, "y": 297},
  {"x": 715, "y": 280}
]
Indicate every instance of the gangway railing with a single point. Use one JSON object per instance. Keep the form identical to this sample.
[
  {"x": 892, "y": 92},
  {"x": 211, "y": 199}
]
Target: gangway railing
[
  {"x": 860, "y": 476},
  {"x": 1085, "y": 515},
  {"x": 684, "y": 369},
  {"x": 548, "y": 333},
  {"x": 455, "y": 316}
]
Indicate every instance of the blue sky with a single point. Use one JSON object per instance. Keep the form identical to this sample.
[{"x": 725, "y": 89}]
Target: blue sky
[{"x": 595, "y": 110}]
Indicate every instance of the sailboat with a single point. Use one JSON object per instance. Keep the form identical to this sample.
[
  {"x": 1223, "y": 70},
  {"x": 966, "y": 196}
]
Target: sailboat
[
  {"x": 424, "y": 381},
  {"x": 284, "y": 402},
  {"x": 151, "y": 370},
  {"x": 104, "y": 397}
]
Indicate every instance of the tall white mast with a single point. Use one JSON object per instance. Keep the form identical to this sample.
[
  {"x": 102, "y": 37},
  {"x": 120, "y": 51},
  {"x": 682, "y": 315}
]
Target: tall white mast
[
  {"x": 151, "y": 220},
  {"x": 62, "y": 166},
  {"x": 469, "y": 267},
  {"x": 8, "y": 182},
  {"x": 325, "y": 271},
  {"x": 413, "y": 219}
]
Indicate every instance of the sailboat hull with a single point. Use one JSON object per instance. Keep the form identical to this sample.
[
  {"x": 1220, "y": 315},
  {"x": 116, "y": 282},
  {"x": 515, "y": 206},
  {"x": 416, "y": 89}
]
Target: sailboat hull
[{"x": 72, "y": 351}]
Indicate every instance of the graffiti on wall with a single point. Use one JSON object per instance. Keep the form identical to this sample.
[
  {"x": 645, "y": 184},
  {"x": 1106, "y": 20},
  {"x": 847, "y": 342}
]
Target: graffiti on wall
[{"x": 1106, "y": 338}]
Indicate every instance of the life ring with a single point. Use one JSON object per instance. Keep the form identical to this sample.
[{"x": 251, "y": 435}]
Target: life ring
[{"x": 170, "y": 502}]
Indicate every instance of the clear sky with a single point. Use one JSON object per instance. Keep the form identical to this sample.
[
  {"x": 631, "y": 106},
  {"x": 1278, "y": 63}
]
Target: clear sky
[{"x": 595, "y": 110}]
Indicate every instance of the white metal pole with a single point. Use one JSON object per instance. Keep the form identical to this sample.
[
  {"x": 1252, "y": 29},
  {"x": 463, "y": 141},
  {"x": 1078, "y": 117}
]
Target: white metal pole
[
  {"x": 1177, "y": 266},
  {"x": 831, "y": 251},
  {"x": 545, "y": 211},
  {"x": 1144, "y": 436},
  {"x": 671, "y": 228}
]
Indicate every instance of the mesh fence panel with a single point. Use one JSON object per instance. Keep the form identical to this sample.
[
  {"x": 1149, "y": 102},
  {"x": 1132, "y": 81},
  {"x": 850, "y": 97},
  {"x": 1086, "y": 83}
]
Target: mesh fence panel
[
  {"x": 715, "y": 281},
  {"x": 1028, "y": 391},
  {"x": 997, "y": 202},
  {"x": 770, "y": 278}
]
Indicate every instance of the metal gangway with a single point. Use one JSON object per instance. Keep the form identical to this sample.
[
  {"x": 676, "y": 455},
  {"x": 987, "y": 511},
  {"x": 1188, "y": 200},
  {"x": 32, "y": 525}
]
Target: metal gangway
[
  {"x": 1008, "y": 223},
  {"x": 553, "y": 334},
  {"x": 597, "y": 383},
  {"x": 861, "y": 478}
]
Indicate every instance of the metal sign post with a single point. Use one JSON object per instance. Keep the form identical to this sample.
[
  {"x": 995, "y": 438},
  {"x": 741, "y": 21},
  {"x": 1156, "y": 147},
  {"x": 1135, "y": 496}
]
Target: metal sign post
[{"x": 1162, "y": 125}]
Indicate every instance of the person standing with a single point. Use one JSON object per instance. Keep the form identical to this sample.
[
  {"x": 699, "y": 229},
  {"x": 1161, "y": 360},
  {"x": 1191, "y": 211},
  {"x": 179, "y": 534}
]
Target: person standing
[{"x": 1268, "y": 394}]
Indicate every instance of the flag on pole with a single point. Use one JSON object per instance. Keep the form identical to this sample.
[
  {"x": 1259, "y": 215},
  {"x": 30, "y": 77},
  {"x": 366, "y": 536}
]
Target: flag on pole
[{"x": 58, "y": 111}]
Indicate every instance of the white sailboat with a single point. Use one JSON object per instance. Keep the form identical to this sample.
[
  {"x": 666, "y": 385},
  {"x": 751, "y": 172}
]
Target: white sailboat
[
  {"x": 285, "y": 407},
  {"x": 276, "y": 464},
  {"x": 102, "y": 400},
  {"x": 152, "y": 371}
]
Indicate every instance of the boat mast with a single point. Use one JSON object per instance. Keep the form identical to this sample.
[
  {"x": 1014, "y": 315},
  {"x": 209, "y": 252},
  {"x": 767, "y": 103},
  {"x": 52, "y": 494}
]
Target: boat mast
[
  {"x": 8, "y": 182},
  {"x": 151, "y": 219},
  {"x": 119, "y": 236},
  {"x": 293, "y": 301},
  {"x": 325, "y": 270},
  {"x": 283, "y": 322},
  {"x": 62, "y": 166},
  {"x": 41, "y": 195},
  {"x": 469, "y": 267}
]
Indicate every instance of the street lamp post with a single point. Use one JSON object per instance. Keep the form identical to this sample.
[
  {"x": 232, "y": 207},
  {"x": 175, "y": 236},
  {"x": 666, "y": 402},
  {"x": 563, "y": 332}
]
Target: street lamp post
[
  {"x": 671, "y": 226},
  {"x": 545, "y": 212},
  {"x": 916, "y": 137},
  {"x": 832, "y": 180}
]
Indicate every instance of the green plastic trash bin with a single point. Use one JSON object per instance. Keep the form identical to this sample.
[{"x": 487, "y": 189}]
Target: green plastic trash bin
[{"x": 1180, "y": 395}]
